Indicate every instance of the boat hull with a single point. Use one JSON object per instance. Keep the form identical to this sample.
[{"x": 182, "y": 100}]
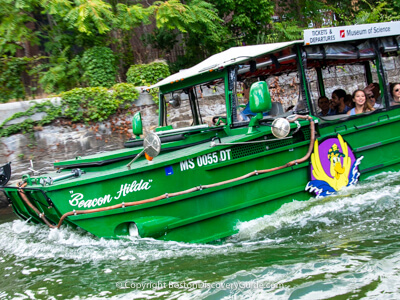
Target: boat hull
[
  {"x": 200, "y": 198},
  {"x": 106, "y": 207}
]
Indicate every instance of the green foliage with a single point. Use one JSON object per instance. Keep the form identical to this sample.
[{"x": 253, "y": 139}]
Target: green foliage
[
  {"x": 14, "y": 17},
  {"x": 394, "y": 10},
  {"x": 203, "y": 32},
  {"x": 382, "y": 12},
  {"x": 60, "y": 74},
  {"x": 64, "y": 29},
  {"x": 147, "y": 74},
  {"x": 86, "y": 16},
  {"x": 183, "y": 62},
  {"x": 128, "y": 17},
  {"x": 96, "y": 12},
  {"x": 140, "y": 75},
  {"x": 11, "y": 86},
  {"x": 125, "y": 92},
  {"x": 82, "y": 104},
  {"x": 52, "y": 112},
  {"x": 194, "y": 16},
  {"x": 99, "y": 65},
  {"x": 281, "y": 32},
  {"x": 88, "y": 104},
  {"x": 61, "y": 40},
  {"x": 12, "y": 70},
  {"x": 313, "y": 12},
  {"x": 161, "y": 39},
  {"x": 245, "y": 19},
  {"x": 96, "y": 103}
]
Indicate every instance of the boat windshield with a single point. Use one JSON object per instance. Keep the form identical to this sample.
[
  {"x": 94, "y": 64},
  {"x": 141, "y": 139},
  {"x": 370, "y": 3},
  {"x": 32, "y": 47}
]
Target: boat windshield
[
  {"x": 280, "y": 71},
  {"x": 195, "y": 105}
]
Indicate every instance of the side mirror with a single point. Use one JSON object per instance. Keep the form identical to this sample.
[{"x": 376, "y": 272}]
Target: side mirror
[
  {"x": 260, "y": 101},
  {"x": 175, "y": 101},
  {"x": 151, "y": 148},
  {"x": 152, "y": 144},
  {"x": 137, "y": 126}
]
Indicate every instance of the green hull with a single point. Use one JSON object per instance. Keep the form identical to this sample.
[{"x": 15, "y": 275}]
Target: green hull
[
  {"x": 203, "y": 215},
  {"x": 208, "y": 179},
  {"x": 199, "y": 216}
]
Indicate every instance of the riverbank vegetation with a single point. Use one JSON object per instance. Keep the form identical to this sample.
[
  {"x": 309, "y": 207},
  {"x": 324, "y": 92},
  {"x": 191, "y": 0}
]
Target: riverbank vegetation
[
  {"x": 52, "y": 46},
  {"x": 84, "y": 105},
  {"x": 81, "y": 50}
]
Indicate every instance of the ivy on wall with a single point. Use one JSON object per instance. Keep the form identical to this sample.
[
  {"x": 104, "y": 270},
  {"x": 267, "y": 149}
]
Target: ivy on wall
[
  {"x": 100, "y": 66},
  {"x": 52, "y": 112},
  {"x": 78, "y": 105},
  {"x": 125, "y": 92},
  {"x": 148, "y": 74},
  {"x": 88, "y": 104}
]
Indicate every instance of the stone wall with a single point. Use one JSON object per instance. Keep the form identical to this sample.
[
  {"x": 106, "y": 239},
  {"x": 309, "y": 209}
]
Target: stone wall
[{"x": 61, "y": 141}]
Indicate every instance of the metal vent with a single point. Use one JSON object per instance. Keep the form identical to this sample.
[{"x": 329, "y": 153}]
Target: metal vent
[
  {"x": 279, "y": 143},
  {"x": 307, "y": 133},
  {"x": 239, "y": 151}
]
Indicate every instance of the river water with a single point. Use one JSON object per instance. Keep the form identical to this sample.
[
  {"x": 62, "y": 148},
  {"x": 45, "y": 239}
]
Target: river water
[{"x": 341, "y": 247}]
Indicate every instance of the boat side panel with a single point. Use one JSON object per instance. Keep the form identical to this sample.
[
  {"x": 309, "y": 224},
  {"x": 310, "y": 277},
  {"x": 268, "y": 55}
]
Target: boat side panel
[
  {"x": 375, "y": 137},
  {"x": 210, "y": 214}
]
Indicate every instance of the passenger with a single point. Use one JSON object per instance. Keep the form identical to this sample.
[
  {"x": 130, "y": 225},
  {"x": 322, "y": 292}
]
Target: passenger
[
  {"x": 348, "y": 100},
  {"x": 361, "y": 103},
  {"x": 373, "y": 93},
  {"x": 395, "y": 93},
  {"x": 338, "y": 104},
  {"x": 373, "y": 102},
  {"x": 323, "y": 104}
]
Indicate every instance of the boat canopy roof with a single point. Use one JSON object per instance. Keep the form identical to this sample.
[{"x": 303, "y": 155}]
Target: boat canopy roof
[
  {"x": 320, "y": 43},
  {"x": 226, "y": 58}
]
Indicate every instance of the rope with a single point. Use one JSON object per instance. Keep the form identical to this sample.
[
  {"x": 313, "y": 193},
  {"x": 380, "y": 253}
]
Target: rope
[{"x": 26, "y": 200}]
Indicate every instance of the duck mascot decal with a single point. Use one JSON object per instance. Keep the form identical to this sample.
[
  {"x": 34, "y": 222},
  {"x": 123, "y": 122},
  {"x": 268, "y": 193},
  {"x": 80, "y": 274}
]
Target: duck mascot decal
[{"x": 333, "y": 156}]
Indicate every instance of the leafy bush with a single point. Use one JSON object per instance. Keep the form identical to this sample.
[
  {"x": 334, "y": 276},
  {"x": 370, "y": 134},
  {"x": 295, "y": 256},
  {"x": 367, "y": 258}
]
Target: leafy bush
[
  {"x": 124, "y": 92},
  {"x": 147, "y": 74},
  {"x": 100, "y": 67},
  {"x": 96, "y": 103},
  {"x": 11, "y": 86},
  {"x": 88, "y": 104},
  {"x": 60, "y": 73}
]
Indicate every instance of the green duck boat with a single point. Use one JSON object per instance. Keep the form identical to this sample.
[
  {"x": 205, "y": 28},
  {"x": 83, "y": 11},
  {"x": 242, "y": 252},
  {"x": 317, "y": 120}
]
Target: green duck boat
[{"x": 197, "y": 179}]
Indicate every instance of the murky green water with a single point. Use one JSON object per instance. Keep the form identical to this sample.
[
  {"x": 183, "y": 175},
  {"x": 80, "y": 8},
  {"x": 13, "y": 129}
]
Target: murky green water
[{"x": 341, "y": 247}]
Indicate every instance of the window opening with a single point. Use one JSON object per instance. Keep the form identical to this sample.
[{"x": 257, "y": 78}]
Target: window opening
[
  {"x": 198, "y": 105},
  {"x": 280, "y": 71}
]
